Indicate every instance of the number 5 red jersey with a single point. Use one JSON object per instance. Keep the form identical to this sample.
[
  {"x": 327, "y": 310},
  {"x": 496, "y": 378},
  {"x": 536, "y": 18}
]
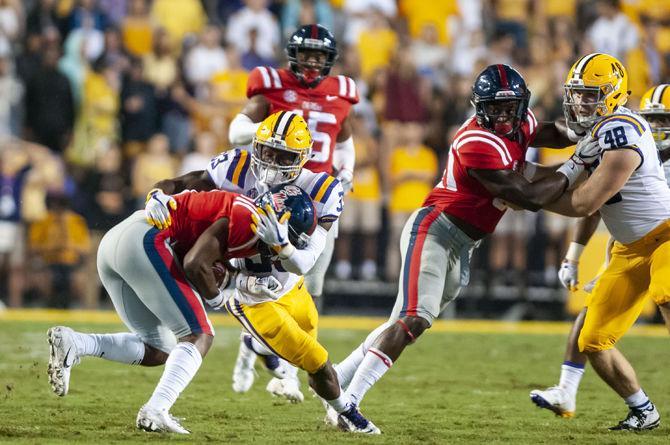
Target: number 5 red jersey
[
  {"x": 324, "y": 107},
  {"x": 464, "y": 197}
]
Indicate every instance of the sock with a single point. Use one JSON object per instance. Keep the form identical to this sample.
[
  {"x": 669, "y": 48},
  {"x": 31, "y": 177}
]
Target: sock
[
  {"x": 347, "y": 368},
  {"x": 180, "y": 367},
  {"x": 639, "y": 400},
  {"x": 123, "y": 347},
  {"x": 373, "y": 367},
  {"x": 256, "y": 346},
  {"x": 339, "y": 404},
  {"x": 571, "y": 375}
]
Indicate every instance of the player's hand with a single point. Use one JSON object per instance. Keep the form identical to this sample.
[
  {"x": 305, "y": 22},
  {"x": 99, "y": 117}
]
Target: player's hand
[
  {"x": 157, "y": 209},
  {"x": 588, "y": 149},
  {"x": 268, "y": 287},
  {"x": 346, "y": 178},
  {"x": 269, "y": 229},
  {"x": 219, "y": 301},
  {"x": 568, "y": 275}
]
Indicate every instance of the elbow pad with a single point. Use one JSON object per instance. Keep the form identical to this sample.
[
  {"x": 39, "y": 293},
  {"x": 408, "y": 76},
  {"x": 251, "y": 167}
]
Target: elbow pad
[
  {"x": 242, "y": 130},
  {"x": 301, "y": 261},
  {"x": 344, "y": 156}
]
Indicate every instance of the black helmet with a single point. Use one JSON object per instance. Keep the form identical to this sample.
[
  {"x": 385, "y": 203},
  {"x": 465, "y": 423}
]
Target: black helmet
[
  {"x": 291, "y": 198},
  {"x": 499, "y": 83},
  {"x": 315, "y": 38}
]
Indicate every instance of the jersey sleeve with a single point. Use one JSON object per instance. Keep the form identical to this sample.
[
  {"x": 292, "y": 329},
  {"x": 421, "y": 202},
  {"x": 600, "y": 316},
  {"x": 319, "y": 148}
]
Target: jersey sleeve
[
  {"x": 241, "y": 239},
  {"x": 619, "y": 131},
  {"x": 346, "y": 89},
  {"x": 229, "y": 169},
  {"x": 261, "y": 80},
  {"x": 481, "y": 152},
  {"x": 532, "y": 125},
  {"x": 327, "y": 195}
]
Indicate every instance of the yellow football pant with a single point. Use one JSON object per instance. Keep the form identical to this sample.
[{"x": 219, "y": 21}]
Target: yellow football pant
[
  {"x": 636, "y": 270},
  {"x": 287, "y": 327}
]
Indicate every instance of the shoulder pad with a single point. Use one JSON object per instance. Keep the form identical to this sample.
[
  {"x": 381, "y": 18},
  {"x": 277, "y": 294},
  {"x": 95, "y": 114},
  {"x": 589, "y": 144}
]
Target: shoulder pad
[
  {"x": 618, "y": 130},
  {"x": 229, "y": 169},
  {"x": 261, "y": 79},
  {"x": 346, "y": 89}
]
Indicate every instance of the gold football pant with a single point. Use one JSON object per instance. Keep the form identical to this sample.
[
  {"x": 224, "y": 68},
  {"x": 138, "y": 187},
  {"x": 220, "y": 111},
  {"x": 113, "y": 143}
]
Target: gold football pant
[
  {"x": 636, "y": 270},
  {"x": 287, "y": 327}
]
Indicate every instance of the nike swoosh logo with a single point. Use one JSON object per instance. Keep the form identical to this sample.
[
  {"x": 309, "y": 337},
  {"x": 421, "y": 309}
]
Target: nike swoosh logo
[
  {"x": 67, "y": 355},
  {"x": 330, "y": 98}
]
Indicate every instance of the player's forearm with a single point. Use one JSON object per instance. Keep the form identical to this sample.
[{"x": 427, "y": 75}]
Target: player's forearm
[
  {"x": 534, "y": 195},
  {"x": 344, "y": 156},
  {"x": 551, "y": 136},
  {"x": 301, "y": 261},
  {"x": 197, "y": 180},
  {"x": 202, "y": 277},
  {"x": 242, "y": 130},
  {"x": 585, "y": 228},
  {"x": 664, "y": 155}
]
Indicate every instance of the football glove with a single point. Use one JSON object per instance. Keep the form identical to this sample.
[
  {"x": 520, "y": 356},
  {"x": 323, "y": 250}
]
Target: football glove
[
  {"x": 568, "y": 274},
  {"x": 588, "y": 150},
  {"x": 157, "y": 209},
  {"x": 269, "y": 229},
  {"x": 267, "y": 287},
  {"x": 346, "y": 178}
]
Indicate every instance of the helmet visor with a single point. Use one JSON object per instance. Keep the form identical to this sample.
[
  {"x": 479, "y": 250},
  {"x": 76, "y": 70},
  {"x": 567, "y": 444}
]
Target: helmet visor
[
  {"x": 274, "y": 164},
  {"x": 503, "y": 115},
  {"x": 659, "y": 121},
  {"x": 584, "y": 105}
]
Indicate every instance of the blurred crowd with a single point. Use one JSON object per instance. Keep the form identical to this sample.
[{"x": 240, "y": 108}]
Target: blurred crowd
[{"x": 99, "y": 99}]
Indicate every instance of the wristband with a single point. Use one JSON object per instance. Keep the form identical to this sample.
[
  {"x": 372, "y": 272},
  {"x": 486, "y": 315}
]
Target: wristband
[
  {"x": 571, "y": 170},
  {"x": 574, "y": 252},
  {"x": 286, "y": 251}
]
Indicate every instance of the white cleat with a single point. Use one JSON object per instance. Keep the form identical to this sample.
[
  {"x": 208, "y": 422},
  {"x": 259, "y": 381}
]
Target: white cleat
[
  {"x": 331, "y": 415},
  {"x": 555, "y": 399},
  {"x": 244, "y": 373},
  {"x": 289, "y": 388},
  {"x": 639, "y": 420},
  {"x": 62, "y": 357},
  {"x": 353, "y": 421},
  {"x": 158, "y": 421}
]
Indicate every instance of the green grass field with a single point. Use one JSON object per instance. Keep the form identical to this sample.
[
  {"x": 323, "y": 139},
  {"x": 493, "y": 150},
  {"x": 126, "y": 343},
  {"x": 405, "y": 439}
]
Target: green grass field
[{"x": 448, "y": 388}]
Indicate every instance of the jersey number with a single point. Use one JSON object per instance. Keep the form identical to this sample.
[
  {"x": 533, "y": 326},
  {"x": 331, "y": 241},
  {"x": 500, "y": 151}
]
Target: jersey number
[
  {"x": 322, "y": 141},
  {"x": 616, "y": 137}
]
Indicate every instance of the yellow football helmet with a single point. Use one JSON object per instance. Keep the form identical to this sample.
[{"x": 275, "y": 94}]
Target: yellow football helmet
[
  {"x": 596, "y": 85},
  {"x": 655, "y": 107},
  {"x": 281, "y": 146}
]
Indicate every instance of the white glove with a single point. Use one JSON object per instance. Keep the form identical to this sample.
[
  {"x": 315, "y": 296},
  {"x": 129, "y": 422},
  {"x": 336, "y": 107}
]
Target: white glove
[
  {"x": 157, "y": 209},
  {"x": 573, "y": 135},
  {"x": 268, "y": 287},
  {"x": 568, "y": 274},
  {"x": 271, "y": 231},
  {"x": 346, "y": 178},
  {"x": 588, "y": 149},
  {"x": 219, "y": 301}
]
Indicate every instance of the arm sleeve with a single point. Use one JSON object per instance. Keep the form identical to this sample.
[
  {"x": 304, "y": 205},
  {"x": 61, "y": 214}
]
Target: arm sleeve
[
  {"x": 242, "y": 130},
  {"x": 302, "y": 260},
  {"x": 344, "y": 156}
]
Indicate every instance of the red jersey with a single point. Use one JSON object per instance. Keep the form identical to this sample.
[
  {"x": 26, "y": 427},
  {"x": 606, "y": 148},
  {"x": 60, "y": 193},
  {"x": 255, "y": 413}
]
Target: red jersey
[
  {"x": 464, "y": 197},
  {"x": 196, "y": 211},
  {"x": 324, "y": 107}
]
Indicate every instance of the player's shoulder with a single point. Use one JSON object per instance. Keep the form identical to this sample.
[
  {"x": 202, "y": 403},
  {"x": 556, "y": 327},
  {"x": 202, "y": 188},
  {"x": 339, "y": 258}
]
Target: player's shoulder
[
  {"x": 624, "y": 121},
  {"x": 341, "y": 86},
  {"x": 266, "y": 78},
  {"x": 230, "y": 168},
  {"x": 319, "y": 186},
  {"x": 473, "y": 140}
]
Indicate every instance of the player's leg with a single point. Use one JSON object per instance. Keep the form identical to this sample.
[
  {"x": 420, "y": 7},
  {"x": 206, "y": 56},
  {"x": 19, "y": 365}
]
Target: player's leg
[{"x": 613, "y": 307}]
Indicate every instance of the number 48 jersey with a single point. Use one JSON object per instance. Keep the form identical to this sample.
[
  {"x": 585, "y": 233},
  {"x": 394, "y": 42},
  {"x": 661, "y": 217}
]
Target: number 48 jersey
[{"x": 324, "y": 107}]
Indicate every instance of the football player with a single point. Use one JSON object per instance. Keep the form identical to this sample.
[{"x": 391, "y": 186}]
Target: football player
[
  {"x": 561, "y": 399},
  {"x": 280, "y": 149},
  {"x": 156, "y": 280},
  {"x": 485, "y": 171}
]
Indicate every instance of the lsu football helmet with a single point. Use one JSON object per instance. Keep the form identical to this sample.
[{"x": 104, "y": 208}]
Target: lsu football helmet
[
  {"x": 291, "y": 198},
  {"x": 596, "y": 86},
  {"x": 281, "y": 146},
  {"x": 655, "y": 107},
  {"x": 311, "y": 38}
]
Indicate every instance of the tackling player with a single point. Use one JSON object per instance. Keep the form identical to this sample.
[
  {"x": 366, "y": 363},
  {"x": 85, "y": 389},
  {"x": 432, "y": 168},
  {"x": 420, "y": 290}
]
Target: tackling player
[
  {"x": 483, "y": 173},
  {"x": 561, "y": 399},
  {"x": 155, "y": 280}
]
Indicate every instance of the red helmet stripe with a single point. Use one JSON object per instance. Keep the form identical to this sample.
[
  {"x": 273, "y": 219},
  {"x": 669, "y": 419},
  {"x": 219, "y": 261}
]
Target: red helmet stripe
[
  {"x": 315, "y": 32},
  {"x": 503, "y": 76}
]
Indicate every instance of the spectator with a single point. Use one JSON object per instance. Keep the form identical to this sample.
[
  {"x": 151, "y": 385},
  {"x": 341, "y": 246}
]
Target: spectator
[
  {"x": 114, "y": 54},
  {"x": 175, "y": 109},
  {"x": 115, "y": 10},
  {"x": 160, "y": 66},
  {"x": 150, "y": 167},
  {"x": 358, "y": 11},
  {"x": 86, "y": 15},
  {"x": 47, "y": 91},
  {"x": 73, "y": 64},
  {"x": 251, "y": 59},
  {"x": 179, "y": 17},
  {"x": 421, "y": 14},
  {"x": 137, "y": 29},
  {"x": 11, "y": 20},
  {"x": 206, "y": 58},
  {"x": 362, "y": 210},
  {"x": 61, "y": 241},
  {"x": 612, "y": 32},
  {"x": 429, "y": 56},
  {"x": 376, "y": 44},
  {"x": 139, "y": 110},
  {"x": 512, "y": 17},
  {"x": 41, "y": 17},
  {"x": 11, "y": 95},
  {"x": 254, "y": 30},
  {"x": 205, "y": 150},
  {"x": 297, "y": 13},
  {"x": 413, "y": 168}
]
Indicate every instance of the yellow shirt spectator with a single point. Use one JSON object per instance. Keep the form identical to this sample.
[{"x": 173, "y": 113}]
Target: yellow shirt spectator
[
  {"x": 412, "y": 174},
  {"x": 366, "y": 177},
  {"x": 375, "y": 47},
  {"x": 230, "y": 88},
  {"x": 512, "y": 10},
  {"x": 422, "y": 12},
  {"x": 62, "y": 237},
  {"x": 137, "y": 35},
  {"x": 560, "y": 8},
  {"x": 179, "y": 17}
]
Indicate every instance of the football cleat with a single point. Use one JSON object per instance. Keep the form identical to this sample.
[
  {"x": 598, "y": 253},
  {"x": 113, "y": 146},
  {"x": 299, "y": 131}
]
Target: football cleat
[
  {"x": 276, "y": 366},
  {"x": 639, "y": 419},
  {"x": 158, "y": 421},
  {"x": 62, "y": 357},
  {"x": 330, "y": 418},
  {"x": 555, "y": 399},
  {"x": 353, "y": 421},
  {"x": 289, "y": 388},
  {"x": 244, "y": 373}
]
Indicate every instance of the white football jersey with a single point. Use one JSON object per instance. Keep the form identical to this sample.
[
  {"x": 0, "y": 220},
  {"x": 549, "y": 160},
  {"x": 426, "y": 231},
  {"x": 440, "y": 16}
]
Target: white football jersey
[
  {"x": 231, "y": 171},
  {"x": 644, "y": 201}
]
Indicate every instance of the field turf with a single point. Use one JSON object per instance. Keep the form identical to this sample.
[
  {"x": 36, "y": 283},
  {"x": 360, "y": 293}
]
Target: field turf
[{"x": 454, "y": 386}]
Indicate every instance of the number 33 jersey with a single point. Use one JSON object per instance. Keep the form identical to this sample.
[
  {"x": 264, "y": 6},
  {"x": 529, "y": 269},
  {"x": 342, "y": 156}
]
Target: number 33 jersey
[
  {"x": 324, "y": 107},
  {"x": 644, "y": 201}
]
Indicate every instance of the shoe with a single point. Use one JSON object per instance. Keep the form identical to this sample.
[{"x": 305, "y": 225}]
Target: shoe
[
  {"x": 331, "y": 415},
  {"x": 343, "y": 270},
  {"x": 62, "y": 357},
  {"x": 288, "y": 387},
  {"x": 158, "y": 421},
  {"x": 244, "y": 373},
  {"x": 555, "y": 399},
  {"x": 276, "y": 366},
  {"x": 353, "y": 421},
  {"x": 369, "y": 270},
  {"x": 639, "y": 419}
]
